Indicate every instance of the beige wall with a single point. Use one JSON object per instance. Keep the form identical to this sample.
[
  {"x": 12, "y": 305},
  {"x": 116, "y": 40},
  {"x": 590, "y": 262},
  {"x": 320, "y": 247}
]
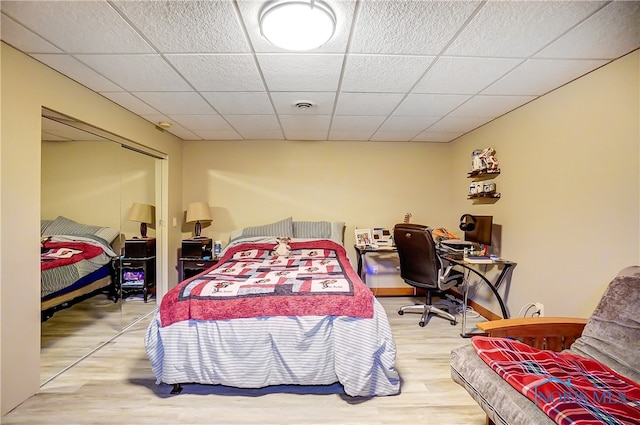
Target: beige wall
[
  {"x": 570, "y": 186},
  {"x": 569, "y": 211},
  {"x": 569, "y": 183},
  {"x": 27, "y": 86},
  {"x": 96, "y": 183},
  {"x": 365, "y": 184}
]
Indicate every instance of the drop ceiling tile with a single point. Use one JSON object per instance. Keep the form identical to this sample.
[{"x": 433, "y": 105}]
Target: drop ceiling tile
[
  {"x": 306, "y": 72},
  {"x": 250, "y": 11},
  {"x": 156, "y": 118},
  {"x": 393, "y": 136},
  {"x": 322, "y": 102},
  {"x": 344, "y": 123},
  {"x": 367, "y": 103},
  {"x": 348, "y": 135},
  {"x": 309, "y": 134},
  {"x": 201, "y": 122},
  {"x": 261, "y": 134},
  {"x": 542, "y": 76},
  {"x": 130, "y": 102},
  {"x": 490, "y": 106},
  {"x": 233, "y": 72},
  {"x": 137, "y": 72},
  {"x": 457, "y": 124},
  {"x": 437, "y": 136},
  {"x": 608, "y": 34},
  {"x": 184, "y": 134},
  {"x": 530, "y": 26},
  {"x": 201, "y": 45},
  {"x": 176, "y": 129},
  {"x": 408, "y": 27},
  {"x": 218, "y": 134},
  {"x": 187, "y": 26},
  {"x": 383, "y": 73},
  {"x": 76, "y": 70},
  {"x": 253, "y": 122},
  {"x": 236, "y": 103},
  {"x": 464, "y": 75},
  {"x": 80, "y": 26},
  {"x": 311, "y": 122},
  {"x": 430, "y": 105},
  {"x": 22, "y": 39},
  {"x": 408, "y": 124},
  {"x": 178, "y": 103}
]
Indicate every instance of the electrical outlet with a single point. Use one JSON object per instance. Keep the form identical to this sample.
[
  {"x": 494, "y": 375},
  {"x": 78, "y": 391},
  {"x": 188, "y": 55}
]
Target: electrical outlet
[{"x": 540, "y": 308}]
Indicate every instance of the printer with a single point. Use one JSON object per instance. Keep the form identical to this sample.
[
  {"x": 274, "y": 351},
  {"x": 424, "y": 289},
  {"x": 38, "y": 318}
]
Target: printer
[{"x": 455, "y": 247}]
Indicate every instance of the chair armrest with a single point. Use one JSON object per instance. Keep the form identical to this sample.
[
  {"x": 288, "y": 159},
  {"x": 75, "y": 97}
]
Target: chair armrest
[{"x": 546, "y": 333}]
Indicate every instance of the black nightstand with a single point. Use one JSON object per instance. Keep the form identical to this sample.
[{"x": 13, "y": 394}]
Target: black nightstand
[
  {"x": 191, "y": 266},
  {"x": 138, "y": 274}
]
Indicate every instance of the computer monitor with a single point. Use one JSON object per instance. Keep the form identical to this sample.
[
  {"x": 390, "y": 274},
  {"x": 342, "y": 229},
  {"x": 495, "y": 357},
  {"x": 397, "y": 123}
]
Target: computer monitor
[{"x": 481, "y": 234}]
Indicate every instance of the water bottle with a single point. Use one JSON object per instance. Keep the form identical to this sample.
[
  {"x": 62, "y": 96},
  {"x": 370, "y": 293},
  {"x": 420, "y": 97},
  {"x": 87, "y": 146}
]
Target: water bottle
[{"x": 217, "y": 248}]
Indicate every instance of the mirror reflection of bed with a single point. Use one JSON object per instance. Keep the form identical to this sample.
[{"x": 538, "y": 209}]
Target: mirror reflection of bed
[{"x": 89, "y": 184}]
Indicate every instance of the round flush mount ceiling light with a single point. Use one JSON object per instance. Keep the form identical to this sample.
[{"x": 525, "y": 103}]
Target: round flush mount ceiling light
[{"x": 297, "y": 24}]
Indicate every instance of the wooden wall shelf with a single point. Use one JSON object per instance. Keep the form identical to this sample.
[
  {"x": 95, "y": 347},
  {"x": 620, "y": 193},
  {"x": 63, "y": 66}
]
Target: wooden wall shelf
[{"x": 479, "y": 175}]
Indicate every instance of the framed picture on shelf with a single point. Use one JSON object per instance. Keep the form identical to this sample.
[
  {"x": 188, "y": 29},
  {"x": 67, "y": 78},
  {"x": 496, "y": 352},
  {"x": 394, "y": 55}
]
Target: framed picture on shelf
[{"x": 363, "y": 237}]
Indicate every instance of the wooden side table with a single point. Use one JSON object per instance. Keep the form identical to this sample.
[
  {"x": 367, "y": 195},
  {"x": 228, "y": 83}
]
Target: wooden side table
[
  {"x": 190, "y": 266},
  {"x": 138, "y": 274}
]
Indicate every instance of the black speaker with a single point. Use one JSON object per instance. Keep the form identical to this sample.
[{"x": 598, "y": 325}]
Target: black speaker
[{"x": 467, "y": 223}]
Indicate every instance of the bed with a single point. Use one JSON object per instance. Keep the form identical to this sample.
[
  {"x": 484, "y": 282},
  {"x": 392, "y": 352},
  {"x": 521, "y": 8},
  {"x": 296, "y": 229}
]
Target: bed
[
  {"x": 75, "y": 263},
  {"x": 256, "y": 320}
]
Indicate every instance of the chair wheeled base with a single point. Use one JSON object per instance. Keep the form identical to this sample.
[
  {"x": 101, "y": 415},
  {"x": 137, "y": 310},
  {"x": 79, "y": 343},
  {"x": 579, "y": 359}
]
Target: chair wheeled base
[{"x": 427, "y": 311}]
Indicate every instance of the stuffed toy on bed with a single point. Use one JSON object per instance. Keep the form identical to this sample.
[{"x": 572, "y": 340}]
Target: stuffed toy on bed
[{"x": 282, "y": 249}]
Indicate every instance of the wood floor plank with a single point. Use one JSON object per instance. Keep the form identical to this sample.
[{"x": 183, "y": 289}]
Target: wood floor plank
[{"x": 115, "y": 385}]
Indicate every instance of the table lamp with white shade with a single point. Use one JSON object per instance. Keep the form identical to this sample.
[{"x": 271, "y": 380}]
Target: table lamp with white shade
[
  {"x": 196, "y": 213},
  {"x": 144, "y": 214}
]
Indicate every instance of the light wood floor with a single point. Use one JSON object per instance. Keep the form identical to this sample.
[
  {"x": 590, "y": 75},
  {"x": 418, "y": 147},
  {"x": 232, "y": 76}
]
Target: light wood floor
[
  {"x": 74, "y": 332},
  {"x": 115, "y": 385}
]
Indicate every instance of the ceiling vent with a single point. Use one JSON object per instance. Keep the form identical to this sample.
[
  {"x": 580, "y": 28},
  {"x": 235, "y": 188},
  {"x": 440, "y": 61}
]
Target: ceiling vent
[{"x": 303, "y": 105}]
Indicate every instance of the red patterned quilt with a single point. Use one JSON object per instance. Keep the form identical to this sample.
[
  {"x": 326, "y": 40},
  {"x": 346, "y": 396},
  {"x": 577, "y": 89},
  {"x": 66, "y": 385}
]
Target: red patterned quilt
[
  {"x": 316, "y": 279},
  {"x": 571, "y": 389},
  {"x": 58, "y": 254}
]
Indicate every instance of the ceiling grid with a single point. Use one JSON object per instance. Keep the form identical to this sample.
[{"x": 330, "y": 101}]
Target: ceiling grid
[{"x": 411, "y": 70}]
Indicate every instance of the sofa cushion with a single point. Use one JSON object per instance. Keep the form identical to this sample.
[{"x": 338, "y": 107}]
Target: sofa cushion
[
  {"x": 612, "y": 333},
  {"x": 502, "y": 403}
]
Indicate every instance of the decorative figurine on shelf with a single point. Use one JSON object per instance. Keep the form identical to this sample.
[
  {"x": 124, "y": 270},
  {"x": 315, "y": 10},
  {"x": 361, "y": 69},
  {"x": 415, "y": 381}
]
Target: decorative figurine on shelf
[
  {"x": 484, "y": 161},
  {"x": 476, "y": 162},
  {"x": 282, "y": 249},
  {"x": 489, "y": 161}
]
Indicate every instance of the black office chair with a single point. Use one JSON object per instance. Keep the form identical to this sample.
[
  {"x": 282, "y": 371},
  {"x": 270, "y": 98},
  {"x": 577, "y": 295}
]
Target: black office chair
[{"x": 421, "y": 267}]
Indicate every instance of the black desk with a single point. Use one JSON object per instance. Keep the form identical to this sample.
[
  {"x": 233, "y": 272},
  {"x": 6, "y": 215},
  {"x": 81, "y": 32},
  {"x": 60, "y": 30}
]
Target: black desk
[
  {"x": 364, "y": 250},
  {"x": 472, "y": 267}
]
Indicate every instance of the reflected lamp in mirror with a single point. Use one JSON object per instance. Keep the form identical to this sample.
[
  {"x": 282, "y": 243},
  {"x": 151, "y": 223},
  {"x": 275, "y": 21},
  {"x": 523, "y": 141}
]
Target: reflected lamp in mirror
[
  {"x": 196, "y": 213},
  {"x": 142, "y": 213}
]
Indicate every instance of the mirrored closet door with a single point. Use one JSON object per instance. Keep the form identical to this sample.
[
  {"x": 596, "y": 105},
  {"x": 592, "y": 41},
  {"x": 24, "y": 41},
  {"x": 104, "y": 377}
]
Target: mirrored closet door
[{"x": 97, "y": 195}]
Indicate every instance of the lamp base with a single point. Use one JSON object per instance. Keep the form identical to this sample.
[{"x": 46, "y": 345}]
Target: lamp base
[
  {"x": 197, "y": 229},
  {"x": 143, "y": 230}
]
